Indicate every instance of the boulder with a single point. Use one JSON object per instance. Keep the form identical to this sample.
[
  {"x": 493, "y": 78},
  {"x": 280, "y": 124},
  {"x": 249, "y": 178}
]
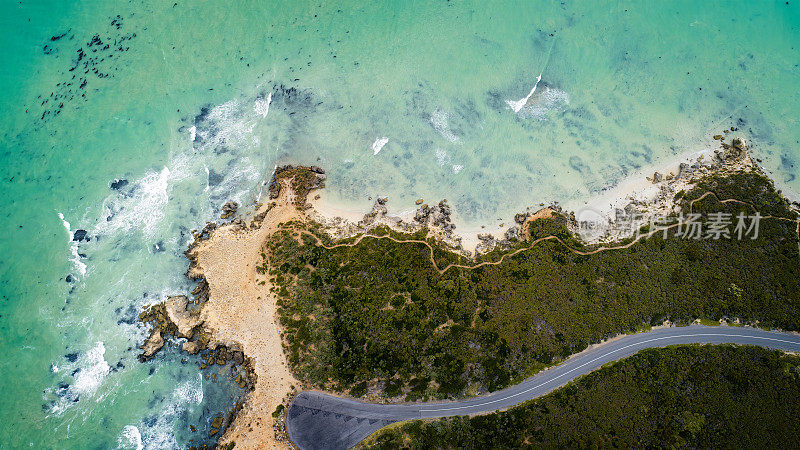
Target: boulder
[
  {"x": 657, "y": 177},
  {"x": 520, "y": 218},
  {"x": 80, "y": 235},
  {"x": 238, "y": 357},
  {"x": 422, "y": 213},
  {"x": 119, "y": 184},
  {"x": 192, "y": 347}
]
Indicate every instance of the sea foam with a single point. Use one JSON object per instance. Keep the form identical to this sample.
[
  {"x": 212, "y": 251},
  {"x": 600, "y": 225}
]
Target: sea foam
[
  {"x": 78, "y": 265},
  {"x": 88, "y": 373},
  {"x": 517, "y": 105},
  {"x": 377, "y": 146},
  {"x": 130, "y": 438},
  {"x": 438, "y": 121},
  {"x": 261, "y": 105}
]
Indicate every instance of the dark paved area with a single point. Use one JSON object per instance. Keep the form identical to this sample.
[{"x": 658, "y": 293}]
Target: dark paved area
[{"x": 320, "y": 421}]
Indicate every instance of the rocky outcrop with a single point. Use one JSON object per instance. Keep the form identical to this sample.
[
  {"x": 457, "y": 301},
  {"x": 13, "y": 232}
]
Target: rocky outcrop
[
  {"x": 80, "y": 235},
  {"x": 512, "y": 233},
  {"x": 119, "y": 184},
  {"x": 274, "y": 190},
  {"x": 436, "y": 216},
  {"x": 229, "y": 209},
  {"x": 184, "y": 320},
  {"x": 171, "y": 318},
  {"x": 206, "y": 232}
]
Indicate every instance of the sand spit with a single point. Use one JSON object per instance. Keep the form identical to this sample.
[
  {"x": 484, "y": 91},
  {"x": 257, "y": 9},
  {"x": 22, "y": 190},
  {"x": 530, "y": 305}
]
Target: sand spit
[
  {"x": 240, "y": 311},
  {"x": 234, "y": 312}
]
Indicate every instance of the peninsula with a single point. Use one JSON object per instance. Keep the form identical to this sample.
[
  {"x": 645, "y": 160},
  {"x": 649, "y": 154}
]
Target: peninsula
[{"x": 390, "y": 309}]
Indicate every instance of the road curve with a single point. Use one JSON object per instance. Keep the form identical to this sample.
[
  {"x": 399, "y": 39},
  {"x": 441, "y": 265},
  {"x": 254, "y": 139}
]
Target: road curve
[{"x": 320, "y": 421}]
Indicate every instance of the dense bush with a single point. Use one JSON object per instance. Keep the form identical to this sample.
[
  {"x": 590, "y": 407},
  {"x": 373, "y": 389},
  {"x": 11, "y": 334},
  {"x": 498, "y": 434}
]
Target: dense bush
[
  {"x": 683, "y": 396},
  {"x": 378, "y": 314}
]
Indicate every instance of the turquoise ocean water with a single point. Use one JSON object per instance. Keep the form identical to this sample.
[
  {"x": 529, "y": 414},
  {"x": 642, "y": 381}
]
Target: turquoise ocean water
[{"x": 193, "y": 103}]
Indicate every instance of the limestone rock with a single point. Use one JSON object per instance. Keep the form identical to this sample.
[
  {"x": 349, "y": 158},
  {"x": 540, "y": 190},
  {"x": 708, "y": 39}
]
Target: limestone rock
[
  {"x": 192, "y": 347},
  {"x": 151, "y": 346},
  {"x": 229, "y": 209},
  {"x": 183, "y": 319},
  {"x": 512, "y": 233}
]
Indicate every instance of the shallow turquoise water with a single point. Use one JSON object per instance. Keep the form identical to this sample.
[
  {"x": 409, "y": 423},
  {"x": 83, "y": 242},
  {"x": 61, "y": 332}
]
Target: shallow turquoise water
[{"x": 623, "y": 86}]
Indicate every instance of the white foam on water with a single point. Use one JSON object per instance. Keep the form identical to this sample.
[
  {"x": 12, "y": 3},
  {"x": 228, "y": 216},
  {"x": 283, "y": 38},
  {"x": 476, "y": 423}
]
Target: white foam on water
[
  {"x": 143, "y": 210},
  {"x": 130, "y": 438},
  {"x": 548, "y": 98},
  {"x": 75, "y": 259},
  {"x": 457, "y": 168},
  {"x": 261, "y": 105},
  {"x": 377, "y": 146},
  {"x": 80, "y": 267},
  {"x": 438, "y": 121},
  {"x": 93, "y": 369},
  {"x": 88, "y": 372},
  {"x": 232, "y": 127},
  {"x": 161, "y": 435},
  {"x": 191, "y": 391},
  {"x": 66, "y": 225},
  {"x": 193, "y": 133},
  {"x": 441, "y": 157},
  {"x": 517, "y": 105}
]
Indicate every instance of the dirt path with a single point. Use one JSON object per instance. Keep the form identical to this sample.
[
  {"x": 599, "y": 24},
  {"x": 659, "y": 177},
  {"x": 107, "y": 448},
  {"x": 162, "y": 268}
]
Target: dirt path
[{"x": 551, "y": 238}]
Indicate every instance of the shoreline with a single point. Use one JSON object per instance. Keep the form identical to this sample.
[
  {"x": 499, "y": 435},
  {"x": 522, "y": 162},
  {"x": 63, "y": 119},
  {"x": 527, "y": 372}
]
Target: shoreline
[{"x": 236, "y": 310}]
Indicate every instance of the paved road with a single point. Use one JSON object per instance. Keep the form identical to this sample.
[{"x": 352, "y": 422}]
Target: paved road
[{"x": 320, "y": 421}]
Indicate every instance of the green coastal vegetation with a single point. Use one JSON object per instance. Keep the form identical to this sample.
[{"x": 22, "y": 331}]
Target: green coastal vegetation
[
  {"x": 378, "y": 316},
  {"x": 682, "y": 396}
]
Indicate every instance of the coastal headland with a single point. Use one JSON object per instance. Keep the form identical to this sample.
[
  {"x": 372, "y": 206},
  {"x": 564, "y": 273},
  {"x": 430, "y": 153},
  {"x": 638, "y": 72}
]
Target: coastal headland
[{"x": 300, "y": 299}]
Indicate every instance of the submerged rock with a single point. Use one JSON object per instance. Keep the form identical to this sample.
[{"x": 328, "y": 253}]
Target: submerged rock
[{"x": 119, "y": 184}]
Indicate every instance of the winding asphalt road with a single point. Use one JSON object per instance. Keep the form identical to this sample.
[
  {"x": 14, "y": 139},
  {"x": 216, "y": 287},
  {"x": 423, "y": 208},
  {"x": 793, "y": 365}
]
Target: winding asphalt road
[{"x": 320, "y": 421}]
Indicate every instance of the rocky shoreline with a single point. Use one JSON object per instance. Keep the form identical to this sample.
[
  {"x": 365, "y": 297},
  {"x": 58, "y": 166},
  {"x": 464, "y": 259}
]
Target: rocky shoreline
[{"x": 198, "y": 325}]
